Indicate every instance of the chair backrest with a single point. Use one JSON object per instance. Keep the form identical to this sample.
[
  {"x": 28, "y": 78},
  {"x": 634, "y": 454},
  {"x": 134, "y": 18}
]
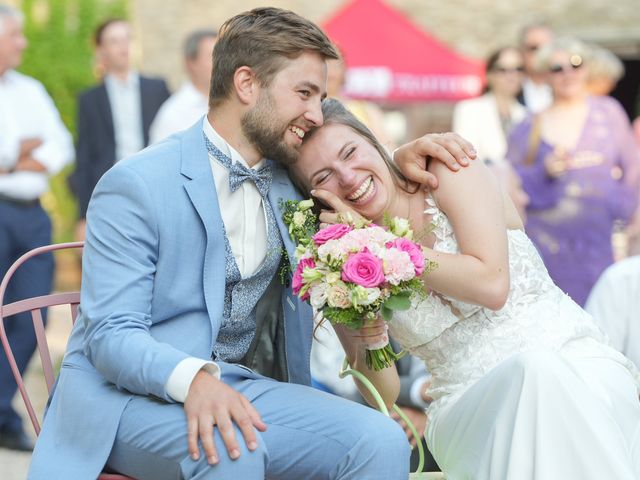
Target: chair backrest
[{"x": 35, "y": 306}]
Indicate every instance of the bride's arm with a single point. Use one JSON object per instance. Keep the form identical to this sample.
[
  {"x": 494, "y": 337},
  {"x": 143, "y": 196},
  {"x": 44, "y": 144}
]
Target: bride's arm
[
  {"x": 473, "y": 203},
  {"x": 354, "y": 342}
]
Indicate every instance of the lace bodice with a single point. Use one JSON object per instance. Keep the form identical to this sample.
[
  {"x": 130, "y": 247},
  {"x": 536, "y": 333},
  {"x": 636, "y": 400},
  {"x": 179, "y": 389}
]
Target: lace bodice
[{"x": 460, "y": 342}]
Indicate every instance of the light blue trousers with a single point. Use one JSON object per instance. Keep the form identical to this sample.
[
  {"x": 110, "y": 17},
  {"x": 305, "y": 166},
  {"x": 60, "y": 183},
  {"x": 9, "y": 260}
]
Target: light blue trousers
[{"x": 310, "y": 435}]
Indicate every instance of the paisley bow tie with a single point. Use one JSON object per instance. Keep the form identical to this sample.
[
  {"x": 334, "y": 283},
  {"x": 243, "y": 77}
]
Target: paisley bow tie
[{"x": 238, "y": 173}]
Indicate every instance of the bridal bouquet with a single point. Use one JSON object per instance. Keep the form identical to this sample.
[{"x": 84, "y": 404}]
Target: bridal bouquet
[{"x": 354, "y": 271}]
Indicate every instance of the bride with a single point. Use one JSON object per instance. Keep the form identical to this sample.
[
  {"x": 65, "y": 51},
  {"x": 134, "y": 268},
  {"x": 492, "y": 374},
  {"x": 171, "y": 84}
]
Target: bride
[{"x": 524, "y": 384}]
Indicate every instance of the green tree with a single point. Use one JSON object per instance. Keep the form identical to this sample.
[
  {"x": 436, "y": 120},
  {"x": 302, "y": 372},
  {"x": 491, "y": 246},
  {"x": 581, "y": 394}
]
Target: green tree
[{"x": 60, "y": 55}]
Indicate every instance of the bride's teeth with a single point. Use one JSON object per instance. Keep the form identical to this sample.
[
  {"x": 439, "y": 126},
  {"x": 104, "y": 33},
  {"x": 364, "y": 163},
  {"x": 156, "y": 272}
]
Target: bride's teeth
[{"x": 364, "y": 192}]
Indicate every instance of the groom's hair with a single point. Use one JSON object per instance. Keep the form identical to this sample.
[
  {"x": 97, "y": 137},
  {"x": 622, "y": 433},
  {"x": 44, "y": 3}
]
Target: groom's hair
[{"x": 262, "y": 39}]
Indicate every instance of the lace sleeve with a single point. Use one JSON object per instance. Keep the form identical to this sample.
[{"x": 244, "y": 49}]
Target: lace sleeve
[{"x": 425, "y": 320}]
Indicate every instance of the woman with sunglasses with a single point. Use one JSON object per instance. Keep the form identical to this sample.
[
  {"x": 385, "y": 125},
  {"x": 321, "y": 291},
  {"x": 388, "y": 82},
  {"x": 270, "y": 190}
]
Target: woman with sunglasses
[
  {"x": 580, "y": 168},
  {"x": 487, "y": 120}
]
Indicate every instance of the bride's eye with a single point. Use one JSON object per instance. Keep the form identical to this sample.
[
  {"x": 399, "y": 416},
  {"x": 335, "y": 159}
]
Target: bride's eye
[
  {"x": 350, "y": 153},
  {"x": 320, "y": 179}
]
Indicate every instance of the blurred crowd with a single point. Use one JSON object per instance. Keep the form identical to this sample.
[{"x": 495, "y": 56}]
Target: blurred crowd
[{"x": 563, "y": 149}]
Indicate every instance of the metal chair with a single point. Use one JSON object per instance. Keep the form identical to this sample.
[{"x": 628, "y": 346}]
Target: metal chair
[{"x": 35, "y": 306}]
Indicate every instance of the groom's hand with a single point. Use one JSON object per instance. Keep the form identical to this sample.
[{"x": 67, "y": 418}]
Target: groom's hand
[
  {"x": 211, "y": 402},
  {"x": 448, "y": 148}
]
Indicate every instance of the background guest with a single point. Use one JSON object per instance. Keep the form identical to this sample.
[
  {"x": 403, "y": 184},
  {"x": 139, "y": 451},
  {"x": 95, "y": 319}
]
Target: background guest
[
  {"x": 487, "y": 120},
  {"x": 189, "y": 103},
  {"x": 605, "y": 70},
  {"x": 614, "y": 303},
  {"x": 113, "y": 117},
  {"x": 579, "y": 165},
  {"x": 34, "y": 144},
  {"x": 536, "y": 93}
]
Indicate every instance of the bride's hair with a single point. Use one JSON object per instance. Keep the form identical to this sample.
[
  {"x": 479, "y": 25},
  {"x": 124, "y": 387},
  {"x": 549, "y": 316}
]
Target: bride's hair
[{"x": 335, "y": 113}]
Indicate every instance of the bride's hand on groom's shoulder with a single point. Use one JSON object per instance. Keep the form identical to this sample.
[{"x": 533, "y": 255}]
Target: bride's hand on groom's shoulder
[{"x": 448, "y": 148}]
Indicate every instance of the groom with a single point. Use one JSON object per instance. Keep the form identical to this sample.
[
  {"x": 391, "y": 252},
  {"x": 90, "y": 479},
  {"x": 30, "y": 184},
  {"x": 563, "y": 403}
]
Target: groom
[{"x": 182, "y": 310}]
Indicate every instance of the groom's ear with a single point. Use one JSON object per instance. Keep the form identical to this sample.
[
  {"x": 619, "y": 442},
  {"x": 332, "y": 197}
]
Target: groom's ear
[{"x": 246, "y": 85}]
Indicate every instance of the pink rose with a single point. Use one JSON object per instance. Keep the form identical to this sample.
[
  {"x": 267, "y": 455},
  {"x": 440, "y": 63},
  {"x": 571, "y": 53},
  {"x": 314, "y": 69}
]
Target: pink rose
[
  {"x": 364, "y": 269},
  {"x": 296, "y": 282},
  {"x": 332, "y": 232},
  {"x": 414, "y": 251}
]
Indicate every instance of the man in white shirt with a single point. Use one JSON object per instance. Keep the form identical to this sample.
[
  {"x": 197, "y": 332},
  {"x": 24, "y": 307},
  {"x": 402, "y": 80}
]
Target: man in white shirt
[
  {"x": 614, "y": 303},
  {"x": 190, "y": 358},
  {"x": 34, "y": 144},
  {"x": 536, "y": 93},
  {"x": 191, "y": 102},
  {"x": 113, "y": 117}
]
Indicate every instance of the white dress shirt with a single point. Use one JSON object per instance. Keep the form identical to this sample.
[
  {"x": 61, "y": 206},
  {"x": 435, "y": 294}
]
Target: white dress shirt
[
  {"x": 27, "y": 111},
  {"x": 537, "y": 97},
  {"x": 179, "y": 112},
  {"x": 244, "y": 220},
  {"x": 126, "y": 113},
  {"x": 614, "y": 303},
  {"x": 478, "y": 121}
]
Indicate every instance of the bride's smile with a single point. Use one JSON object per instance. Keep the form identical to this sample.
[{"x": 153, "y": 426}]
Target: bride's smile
[{"x": 337, "y": 159}]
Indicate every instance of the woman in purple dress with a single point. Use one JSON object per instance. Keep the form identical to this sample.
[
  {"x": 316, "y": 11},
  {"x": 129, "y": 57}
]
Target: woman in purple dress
[{"x": 581, "y": 169}]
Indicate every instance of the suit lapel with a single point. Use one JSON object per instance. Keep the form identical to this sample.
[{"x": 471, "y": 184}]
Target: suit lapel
[
  {"x": 282, "y": 189},
  {"x": 105, "y": 110},
  {"x": 298, "y": 317},
  {"x": 201, "y": 190},
  {"x": 144, "y": 109}
]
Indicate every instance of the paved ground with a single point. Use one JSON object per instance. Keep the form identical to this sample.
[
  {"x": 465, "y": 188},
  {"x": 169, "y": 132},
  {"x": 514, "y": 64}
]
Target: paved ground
[{"x": 14, "y": 465}]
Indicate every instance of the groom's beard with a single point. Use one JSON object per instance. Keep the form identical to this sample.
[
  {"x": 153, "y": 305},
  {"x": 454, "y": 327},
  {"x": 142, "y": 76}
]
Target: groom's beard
[{"x": 267, "y": 132}]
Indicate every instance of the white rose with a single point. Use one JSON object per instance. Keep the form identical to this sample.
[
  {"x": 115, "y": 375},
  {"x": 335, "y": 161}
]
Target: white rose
[
  {"x": 305, "y": 204},
  {"x": 298, "y": 219},
  {"x": 401, "y": 227},
  {"x": 365, "y": 296},
  {"x": 332, "y": 277},
  {"x": 318, "y": 295},
  {"x": 332, "y": 249}
]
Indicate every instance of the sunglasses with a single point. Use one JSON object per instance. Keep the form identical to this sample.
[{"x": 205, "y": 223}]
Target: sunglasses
[
  {"x": 518, "y": 69},
  {"x": 575, "y": 62}
]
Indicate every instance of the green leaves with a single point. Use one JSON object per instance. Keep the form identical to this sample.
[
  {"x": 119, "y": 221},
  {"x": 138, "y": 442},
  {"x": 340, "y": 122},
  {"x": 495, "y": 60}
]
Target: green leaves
[
  {"x": 300, "y": 219},
  {"x": 399, "y": 301}
]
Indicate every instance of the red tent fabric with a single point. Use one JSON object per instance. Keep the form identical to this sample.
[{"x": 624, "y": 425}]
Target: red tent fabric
[{"x": 390, "y": 59}]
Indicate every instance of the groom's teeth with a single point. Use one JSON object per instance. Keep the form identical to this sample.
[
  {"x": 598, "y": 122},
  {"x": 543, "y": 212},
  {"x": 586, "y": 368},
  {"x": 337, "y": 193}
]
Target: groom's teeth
[
  {"x": 298, "y": 131},
  {"x": 365, "y": 190}
]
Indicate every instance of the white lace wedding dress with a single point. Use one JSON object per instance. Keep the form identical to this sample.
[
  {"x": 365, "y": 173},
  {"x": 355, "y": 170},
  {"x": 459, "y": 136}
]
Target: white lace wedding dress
[{"x": 531, "y": 391}]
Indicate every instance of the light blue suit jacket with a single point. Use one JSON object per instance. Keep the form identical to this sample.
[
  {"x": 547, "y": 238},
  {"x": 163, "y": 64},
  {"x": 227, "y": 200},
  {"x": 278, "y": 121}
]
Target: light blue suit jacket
[{"x": 152, "y": 295}]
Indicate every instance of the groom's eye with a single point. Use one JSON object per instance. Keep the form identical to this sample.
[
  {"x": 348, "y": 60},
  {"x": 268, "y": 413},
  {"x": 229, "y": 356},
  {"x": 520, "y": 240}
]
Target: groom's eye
[{"x": 305, "y": 93}]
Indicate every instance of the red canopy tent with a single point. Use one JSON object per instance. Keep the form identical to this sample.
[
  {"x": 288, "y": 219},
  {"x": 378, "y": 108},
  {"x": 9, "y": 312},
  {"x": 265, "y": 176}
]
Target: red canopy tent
[{"x": 390, "y": 59}]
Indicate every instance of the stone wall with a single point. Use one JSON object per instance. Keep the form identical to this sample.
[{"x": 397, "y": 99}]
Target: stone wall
[{"x": 473, "y": 27}]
